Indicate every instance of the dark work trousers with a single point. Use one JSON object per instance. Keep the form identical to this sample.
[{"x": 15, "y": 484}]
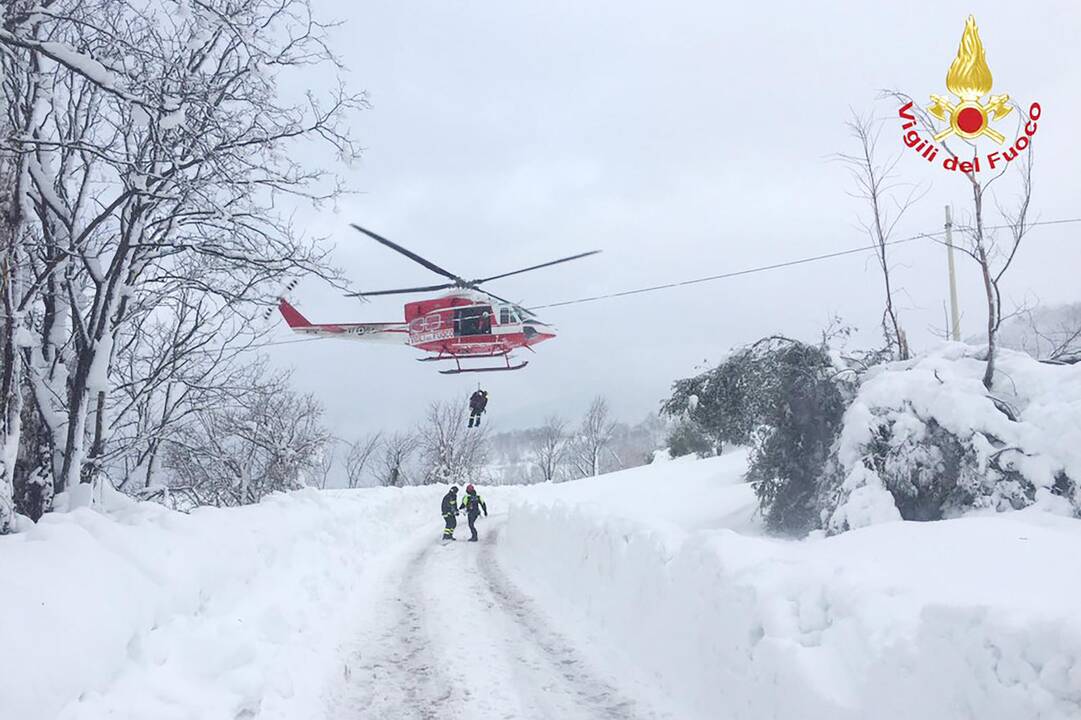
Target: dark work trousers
[
  {"x": 473, "y": 528},
  {"x": 452, "y": 522},
  {"x": 474, "y": 418}
]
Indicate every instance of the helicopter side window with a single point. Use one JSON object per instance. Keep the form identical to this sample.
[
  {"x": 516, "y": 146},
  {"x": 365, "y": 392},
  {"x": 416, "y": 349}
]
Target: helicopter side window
[
  {"x": 505, "y": 317},
  {"x": 473, "y": 321}
]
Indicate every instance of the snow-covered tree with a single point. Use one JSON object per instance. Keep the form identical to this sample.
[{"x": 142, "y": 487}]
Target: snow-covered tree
[
  {"x": 687, "y": 437},
  {"x": 784, "y": 399},
  {"x": 150, "y": 150}
]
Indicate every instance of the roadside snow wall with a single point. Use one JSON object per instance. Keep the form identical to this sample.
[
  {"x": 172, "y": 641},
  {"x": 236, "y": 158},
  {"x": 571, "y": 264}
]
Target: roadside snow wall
[
  {"x": 968, "y": 618},
  {"x": 220, "y": 614}
]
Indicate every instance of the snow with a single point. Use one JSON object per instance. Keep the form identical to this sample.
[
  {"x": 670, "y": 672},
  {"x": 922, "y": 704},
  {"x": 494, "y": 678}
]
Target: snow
[
  {"x": 43, "y": 179},
  {"x": 1041, "y": 442},
  {"x": 24, "y": 338},
  {"x": 151, "y": 613},
  {"x": 140, "y": 116},
  {"x": 972, "y": 617},
  {"x": 173, "y": 118},
  {"x": 649, "y": 593},
  {"x": 83, "y": 64},
  {"x": 676, "y": 495},
  {"x": 98, "y": 376}
]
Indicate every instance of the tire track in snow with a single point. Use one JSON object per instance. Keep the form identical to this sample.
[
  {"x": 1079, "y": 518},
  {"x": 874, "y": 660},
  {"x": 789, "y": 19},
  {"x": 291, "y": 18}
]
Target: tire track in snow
[
  {"x": 594, "y": 697},
  {"x": 454, "y": 639},
  {"x": 393, "y": 674}
]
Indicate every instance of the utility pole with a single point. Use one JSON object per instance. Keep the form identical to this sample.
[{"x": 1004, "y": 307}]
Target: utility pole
[{"x": 955, "y": 315}]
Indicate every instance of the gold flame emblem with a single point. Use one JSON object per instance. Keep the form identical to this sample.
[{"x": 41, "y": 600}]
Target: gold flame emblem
[{"x": 969, "y": 79}]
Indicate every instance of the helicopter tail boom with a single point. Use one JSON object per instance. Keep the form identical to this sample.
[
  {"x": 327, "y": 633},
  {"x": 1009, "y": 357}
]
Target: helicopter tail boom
[{"x": 393, "y": 333}]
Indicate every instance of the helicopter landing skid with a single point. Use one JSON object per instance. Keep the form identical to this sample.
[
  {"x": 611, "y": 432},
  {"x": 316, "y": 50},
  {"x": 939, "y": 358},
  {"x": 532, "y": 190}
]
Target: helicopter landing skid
[
  {"x": 461, "y": 370},
  {"x": 458, "y": 369}
]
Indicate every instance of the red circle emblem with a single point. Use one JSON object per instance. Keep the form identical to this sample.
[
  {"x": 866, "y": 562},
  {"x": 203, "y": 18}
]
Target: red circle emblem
[{"x": 970, "y": 120}]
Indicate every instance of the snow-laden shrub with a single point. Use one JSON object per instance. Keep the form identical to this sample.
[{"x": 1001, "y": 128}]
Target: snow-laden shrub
[
  {"x": 924, "y": 440},
  {"x": 784, "y": 399}
]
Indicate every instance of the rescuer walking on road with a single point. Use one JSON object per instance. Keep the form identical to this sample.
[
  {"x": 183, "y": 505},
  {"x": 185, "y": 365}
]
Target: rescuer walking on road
[{"x": 473, "y": 504}]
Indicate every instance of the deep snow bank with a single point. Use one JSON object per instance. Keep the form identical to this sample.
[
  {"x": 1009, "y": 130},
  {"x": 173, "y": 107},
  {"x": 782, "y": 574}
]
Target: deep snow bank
[
  {"x": 219, "y": 614},
  {"x": 972, "y": 617},
  {"x": 679, "y": 495}
]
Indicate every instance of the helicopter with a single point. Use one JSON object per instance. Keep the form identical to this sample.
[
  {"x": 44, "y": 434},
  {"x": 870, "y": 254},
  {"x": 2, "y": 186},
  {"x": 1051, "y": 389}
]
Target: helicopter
[{"x": 464, "y": 324}]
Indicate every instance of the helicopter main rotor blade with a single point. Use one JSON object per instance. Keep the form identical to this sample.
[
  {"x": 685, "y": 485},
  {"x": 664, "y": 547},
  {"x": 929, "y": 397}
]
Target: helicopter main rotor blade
[
  {"x": 536, "y": 267},
  {"x": 505, "y": 301},
  {"x": 402, "y": 291},
  {"x": 502, "y": 300},
  {"x": 411, "y": 255}
]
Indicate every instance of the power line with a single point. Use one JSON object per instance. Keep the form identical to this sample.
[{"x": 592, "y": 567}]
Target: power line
[
  {"x": 776, "y": 266},
  {"x": 736, "y": 273}
]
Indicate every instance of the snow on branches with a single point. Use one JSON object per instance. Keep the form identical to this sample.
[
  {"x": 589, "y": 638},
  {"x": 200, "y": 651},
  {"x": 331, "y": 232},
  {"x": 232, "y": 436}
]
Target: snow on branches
[{"x": 151, "y": 153}]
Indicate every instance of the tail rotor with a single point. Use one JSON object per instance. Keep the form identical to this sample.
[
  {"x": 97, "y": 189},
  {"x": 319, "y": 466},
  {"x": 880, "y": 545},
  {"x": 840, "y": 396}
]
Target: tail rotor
[{"x": 281, "y": 296}]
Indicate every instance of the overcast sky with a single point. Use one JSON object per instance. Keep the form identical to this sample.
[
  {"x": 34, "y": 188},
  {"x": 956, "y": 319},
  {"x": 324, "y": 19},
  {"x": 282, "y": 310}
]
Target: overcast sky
[{"x": 681, "y": 138}]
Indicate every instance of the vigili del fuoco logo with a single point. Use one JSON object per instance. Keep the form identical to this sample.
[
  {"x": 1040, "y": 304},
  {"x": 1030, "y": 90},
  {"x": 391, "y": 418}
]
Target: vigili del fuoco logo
[{"x": 967, "y": 115}]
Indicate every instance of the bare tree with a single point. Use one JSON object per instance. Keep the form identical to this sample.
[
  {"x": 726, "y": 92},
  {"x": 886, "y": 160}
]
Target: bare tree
[
  {"x": 594, "y": 435},
  {"x": 1052, "y": 334},
  {"x": 189, "y": 354},
  {"x": 396, "y": 451},
  {"x": 876, "y": 185},
  {"x": 358, "y": 457},
  {"x": 550, "y": 447},
  {"x": 450, "y": 450},
  {"x": 992, "y": 258},
  {"x": 324, "y": 462},
  {"x": 1017, "y": 221},
  {"x": 266, "y": 439}
]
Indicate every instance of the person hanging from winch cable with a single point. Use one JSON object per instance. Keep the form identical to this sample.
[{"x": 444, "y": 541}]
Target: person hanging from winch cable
[
  {"x": 450, "y": 512},
  {"x": 478, "y": 401},
  {"x": 473, "y": 504}
]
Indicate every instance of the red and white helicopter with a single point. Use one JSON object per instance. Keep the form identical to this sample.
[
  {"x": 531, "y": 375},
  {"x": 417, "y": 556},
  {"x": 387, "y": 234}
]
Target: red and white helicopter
[{"x": 462, "y": 324}]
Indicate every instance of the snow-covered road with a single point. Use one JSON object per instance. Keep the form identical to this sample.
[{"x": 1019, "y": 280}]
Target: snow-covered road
[
  {"x": 648, "y": 594},
  {"x": 454, "y": 638}
]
